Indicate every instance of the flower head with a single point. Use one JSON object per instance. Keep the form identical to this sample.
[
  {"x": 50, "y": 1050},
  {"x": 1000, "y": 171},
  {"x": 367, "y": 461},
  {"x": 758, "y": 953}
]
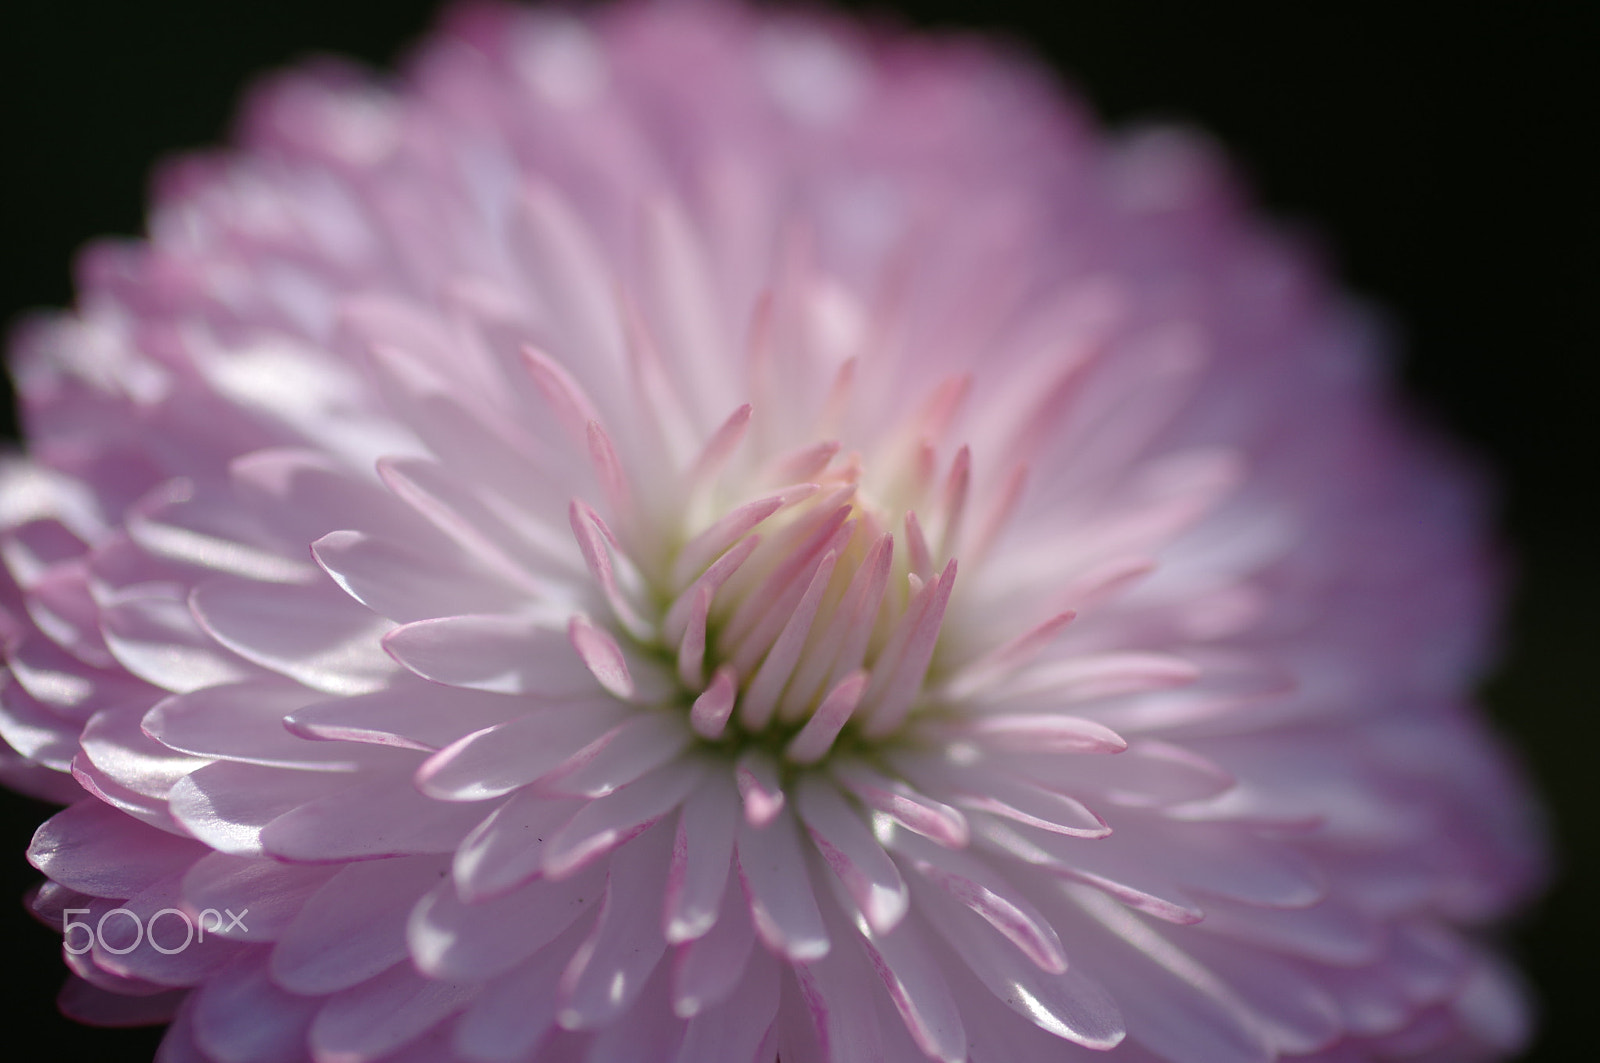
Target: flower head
[{"x": 688, "y": 535}]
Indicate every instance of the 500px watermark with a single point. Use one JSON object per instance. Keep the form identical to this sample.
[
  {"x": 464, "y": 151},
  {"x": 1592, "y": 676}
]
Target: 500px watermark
[{"x": 194, "y": 929}]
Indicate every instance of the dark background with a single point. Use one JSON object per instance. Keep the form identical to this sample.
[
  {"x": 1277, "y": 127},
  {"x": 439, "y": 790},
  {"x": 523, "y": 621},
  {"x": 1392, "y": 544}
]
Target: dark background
[{"x": 1441, "y": 151}]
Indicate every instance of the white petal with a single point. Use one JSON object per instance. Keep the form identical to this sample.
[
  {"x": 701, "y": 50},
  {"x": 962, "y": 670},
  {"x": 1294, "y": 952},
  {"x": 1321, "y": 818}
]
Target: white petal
[
  {"x": 390, "y": 1011},
  {"x": 353, "y": 927},
  {"x": 772, "y": 868},
  {"x": 507, "y": 849},
  {"x": 454, "y": 941},
  {"x": 398, "y": 582},
  {"x": 732, "y": 1031},
  {"x": 503, "y": 757},
  {"x": 611, "y": 966},
  {"x": 314, "y": 634},
  {"x": 849, "y": 849},
  {"x": 500, "y": 654},
  {"x": 705, "y": 971},
  {"x": 702, "y": 859},
  {"x": 614, "y": 819}
]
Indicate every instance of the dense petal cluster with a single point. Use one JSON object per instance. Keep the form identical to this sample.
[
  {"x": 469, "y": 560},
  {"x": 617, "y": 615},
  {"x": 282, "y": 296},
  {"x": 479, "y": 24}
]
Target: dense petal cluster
[{"x": 687, "y": 535}]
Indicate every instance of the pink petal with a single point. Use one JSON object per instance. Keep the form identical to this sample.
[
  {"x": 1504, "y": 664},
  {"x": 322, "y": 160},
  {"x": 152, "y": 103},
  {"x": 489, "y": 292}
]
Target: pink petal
[
  {"x": 383, "y": 816},
  {"x": 711, "y": 711},
  {"x": 96, "y": 850},
  {"x": 772, "y": 869},
  {"x": 636, "y": 747},
  {"x": 853, "y": 854},
  {"x": 1064, "y": 1002},
  {"x": 975, "y": 886},
  {"x": 420, "y": 716},
  {"x": 911, "y": 809},
  {"x": 313, "y": 634},
  {"x": 227, "y": 804},
  {"x": 516, "y": 1011},
  {"x": 760, "y": 787},
  {"x": 353, "y": 926},
  {"x": 506, "y": 850},
  {"x": 502, "y": 757},
  {"x": 244, "y": 722},
  {"x": 602, "y": 656},
  {"x": 398, "y": 582},
  {"x": 370, "y": 1020},
  {"x": 454, "y": 941},
  {"x": 265, "y": 895},
  {"x": 701, "y": 859},
  {"x": 611, "y": 966},
  {"x": 240, "y": 1016},
  {"x": 706, "y": 970},
  {"x": 816, "y": 737},
  {"x": 500, "y": 654},
  {"x": 612, "y": 820},
  {"x": 732, "y": 1031}
]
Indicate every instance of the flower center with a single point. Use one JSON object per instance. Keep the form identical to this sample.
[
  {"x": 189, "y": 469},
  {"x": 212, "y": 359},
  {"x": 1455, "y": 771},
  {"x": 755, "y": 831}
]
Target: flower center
[{"x": 804, "y": 620}]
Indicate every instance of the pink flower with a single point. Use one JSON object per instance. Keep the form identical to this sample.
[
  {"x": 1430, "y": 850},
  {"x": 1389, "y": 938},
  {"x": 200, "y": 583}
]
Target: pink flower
[{"x": 687, "y": 535}]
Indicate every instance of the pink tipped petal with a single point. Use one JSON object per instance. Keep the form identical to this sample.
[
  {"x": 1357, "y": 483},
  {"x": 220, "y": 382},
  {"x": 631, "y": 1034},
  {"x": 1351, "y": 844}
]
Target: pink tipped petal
[
  {"x": 602, "y": 656},
  {"x": 718, "y": 449},
  {"x": 403, "y": 584},
  {"x": 918, "y": 554},
  {"x": 759, "y": 787},
  {"x": 1037, "y": 807},
  {"x": 563, "y": 394},
  {"x": 1008, "y": 657},
  {"x": 92, "y": 849},
  {"x": 817, "y": 735},
  {"x": 674, "y": 626},
  {"x": 421, "y": 716},
  {"x": 315, "y": 635},
  {"x": 227, "y": 805},
  {"x": 692, "y": 648},
  {"x": 906, "y": 966},
  {"x": 1064, "y": 1003},
  {"x": 888, "y": 699},
  {"x": 698, "y": 554},
  {"x": 596, "y": 542},
  {"x": 245, "y": 722},
  {"x": 760, "y": 699},
  {"x": 714, "y": 707},
  {"x": 240, "y": 1016},
  {"x": 608, "y": 470}
]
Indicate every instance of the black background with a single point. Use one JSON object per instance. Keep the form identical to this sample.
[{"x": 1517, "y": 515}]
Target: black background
[{"x": 1441, "y": 152}]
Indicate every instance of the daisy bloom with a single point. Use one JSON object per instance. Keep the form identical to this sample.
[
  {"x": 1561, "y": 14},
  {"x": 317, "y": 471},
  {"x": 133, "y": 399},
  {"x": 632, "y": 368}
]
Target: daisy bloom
[{"x": 680, "y": 534}]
